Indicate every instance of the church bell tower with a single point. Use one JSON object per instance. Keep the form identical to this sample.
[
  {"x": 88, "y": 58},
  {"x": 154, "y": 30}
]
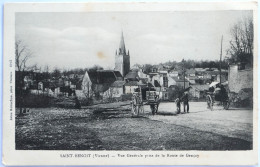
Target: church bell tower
[{"x": 122, "y": 58}]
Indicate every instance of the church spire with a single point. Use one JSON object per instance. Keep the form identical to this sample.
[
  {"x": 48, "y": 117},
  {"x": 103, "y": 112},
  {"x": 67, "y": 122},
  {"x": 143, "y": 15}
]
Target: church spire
[{"x": 122, "y": 45}]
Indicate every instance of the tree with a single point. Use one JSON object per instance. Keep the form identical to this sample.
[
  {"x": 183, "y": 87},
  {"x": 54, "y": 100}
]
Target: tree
[
  {"x": 56, "y": 73},
  {"x": 95, "y": 68},
  {"x": 241, "y": 44},
  {"x": 22, "y": 55},
  {"x": 147, "y": 68},
  {"x": 88, "y": 90},
  {"x": 110, "y": 94}
]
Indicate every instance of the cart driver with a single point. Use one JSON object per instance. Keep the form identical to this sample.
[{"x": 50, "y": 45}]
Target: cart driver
[
  {"x": 223, "y": 92},
  {"x": 211, "y": 89},
  {"x": 217, "y": 92}
]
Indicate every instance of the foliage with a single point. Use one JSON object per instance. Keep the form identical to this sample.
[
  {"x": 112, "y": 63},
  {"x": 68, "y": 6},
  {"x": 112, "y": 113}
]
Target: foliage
[
  {"x": 95, "y": 68},
  {"x": 56, "y": 73},
  {"x": 241, "y": 44},
  {"x": 187, "y": 64}
]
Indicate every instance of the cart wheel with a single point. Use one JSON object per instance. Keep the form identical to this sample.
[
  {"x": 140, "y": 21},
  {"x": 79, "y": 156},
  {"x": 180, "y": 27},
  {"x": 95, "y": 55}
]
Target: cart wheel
[
  {"x": 209, "y": 102},
  {"x": 141, "y": 108},
  {"x": 152, "y": 106},
  {"x": 134, "y": 107}
]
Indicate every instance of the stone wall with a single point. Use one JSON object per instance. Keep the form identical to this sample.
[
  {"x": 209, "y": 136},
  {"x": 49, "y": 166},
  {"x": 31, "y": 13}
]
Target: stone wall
[{"x": 239, "y": 79}]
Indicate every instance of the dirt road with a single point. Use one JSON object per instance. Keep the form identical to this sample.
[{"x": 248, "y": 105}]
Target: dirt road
[{"x": 71, "y": 129}]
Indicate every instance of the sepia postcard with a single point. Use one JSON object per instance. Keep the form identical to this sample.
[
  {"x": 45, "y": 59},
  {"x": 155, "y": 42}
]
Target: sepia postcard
[{"x": 130, "y": 83}]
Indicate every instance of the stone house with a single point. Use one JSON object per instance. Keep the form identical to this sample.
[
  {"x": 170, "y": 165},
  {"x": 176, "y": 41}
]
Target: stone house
[
  {"x": 181, "y": 83},
  {"x": 115, "y": 90},
  {"x": 173, "y": 73},
  {"x": 130, "y": 87},
  {"x": 198, "y": 91},
  {"x": 95, "y": 83},
  {"x": 161, "y": 81},
  {"x": 132, "y": 76}
]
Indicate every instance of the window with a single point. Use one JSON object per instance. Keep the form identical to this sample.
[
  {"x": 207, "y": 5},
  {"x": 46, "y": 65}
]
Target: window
[
  {"x": 165, "y": 80},
  {"x": 154, "y": 69}
]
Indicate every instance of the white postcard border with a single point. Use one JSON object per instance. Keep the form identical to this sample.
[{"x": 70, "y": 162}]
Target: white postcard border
[{"x": 38, "y": 157}]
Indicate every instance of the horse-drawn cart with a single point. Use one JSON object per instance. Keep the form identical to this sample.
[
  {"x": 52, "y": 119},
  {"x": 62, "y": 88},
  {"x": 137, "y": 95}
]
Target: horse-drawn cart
[
  {"x": 219, "y": 95},
  {"x": 144, "y": 96}
]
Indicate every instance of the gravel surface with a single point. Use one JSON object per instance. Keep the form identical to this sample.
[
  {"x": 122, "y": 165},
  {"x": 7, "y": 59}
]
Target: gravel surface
[{"x": 72, "y": 129}]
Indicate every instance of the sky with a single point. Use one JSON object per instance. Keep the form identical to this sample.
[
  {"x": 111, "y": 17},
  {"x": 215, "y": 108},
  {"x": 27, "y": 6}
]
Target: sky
[{"x": 82, "y": 40}]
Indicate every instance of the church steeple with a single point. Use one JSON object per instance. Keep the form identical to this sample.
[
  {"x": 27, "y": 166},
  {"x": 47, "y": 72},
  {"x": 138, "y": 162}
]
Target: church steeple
[
  {"x": 122, "y": 45},
  {"x": 122, "y": 58}
]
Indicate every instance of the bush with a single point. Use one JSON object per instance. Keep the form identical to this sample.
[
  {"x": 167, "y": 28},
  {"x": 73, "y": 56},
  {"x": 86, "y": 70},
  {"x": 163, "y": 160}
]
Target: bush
[
  {"x": 86, "y": 101},
  {"x": 126, "y": 97},
  {"x": 34, "y": 101},
  {"x": 244, "y": 98}
]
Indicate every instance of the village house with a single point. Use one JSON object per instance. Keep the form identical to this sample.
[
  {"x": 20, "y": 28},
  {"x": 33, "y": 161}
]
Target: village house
[
  {"x": 160, "y": 80},
  {"x": 141, "y": 74},
  {"x": 130, "y": 87},
  {"x": 174, "y": 73},
  {"x": 191, "y": 75},
  {"x": 198, "y": 91},
  {"x": 181, "y": 84},
  {"x": 132, "y": 76},
  {"x": 97, "y": 82},
  {"x": 115, "y": 90}
]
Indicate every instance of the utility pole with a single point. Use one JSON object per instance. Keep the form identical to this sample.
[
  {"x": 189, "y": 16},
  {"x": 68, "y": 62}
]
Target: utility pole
[
  {"x": 220, "y": 59},
  {"x": 183, "y": 68}
]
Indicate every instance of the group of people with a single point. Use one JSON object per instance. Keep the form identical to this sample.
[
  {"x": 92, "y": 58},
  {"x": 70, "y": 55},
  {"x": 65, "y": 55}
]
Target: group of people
[
  {"x": 219, "y": 91},
  {"x": 185, "y": 99}
]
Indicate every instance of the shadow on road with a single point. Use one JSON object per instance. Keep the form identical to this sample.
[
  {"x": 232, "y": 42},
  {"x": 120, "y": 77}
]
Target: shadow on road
[
  {"x": 199, "y": 111},
  {"x": 166, "y": 113}
]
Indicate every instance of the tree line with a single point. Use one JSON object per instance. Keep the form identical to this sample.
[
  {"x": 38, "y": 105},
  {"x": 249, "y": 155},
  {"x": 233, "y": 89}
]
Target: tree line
[{"x": 174, "y": 65}]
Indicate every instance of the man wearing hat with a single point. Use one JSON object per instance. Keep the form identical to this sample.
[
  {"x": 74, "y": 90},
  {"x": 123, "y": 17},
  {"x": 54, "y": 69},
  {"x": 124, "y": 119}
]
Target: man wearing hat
[{"x": 185, "y": 99}]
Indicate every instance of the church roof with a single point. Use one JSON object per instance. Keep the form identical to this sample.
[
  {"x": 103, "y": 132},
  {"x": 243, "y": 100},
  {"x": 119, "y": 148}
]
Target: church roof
[
  {"x": 102, "y": 77},
  {"x": 122, "y": 45}
]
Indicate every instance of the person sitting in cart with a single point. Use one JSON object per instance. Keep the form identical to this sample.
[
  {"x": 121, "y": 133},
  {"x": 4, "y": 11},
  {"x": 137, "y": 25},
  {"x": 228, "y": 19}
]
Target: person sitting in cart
[
  {"x": 211, "y": 89},
  {"x": 217, "y": 92},
  {"x": 223, "y": 93}
]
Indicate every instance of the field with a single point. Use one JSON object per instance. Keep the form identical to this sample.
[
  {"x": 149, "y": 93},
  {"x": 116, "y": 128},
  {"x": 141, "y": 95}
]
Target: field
[{"x": 84, "y": 129}]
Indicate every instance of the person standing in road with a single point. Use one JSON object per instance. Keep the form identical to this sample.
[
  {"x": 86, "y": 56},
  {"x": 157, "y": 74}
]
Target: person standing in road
[
  {"x": 185, "y": 100},
  {"x": 178, "y": 104}
]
